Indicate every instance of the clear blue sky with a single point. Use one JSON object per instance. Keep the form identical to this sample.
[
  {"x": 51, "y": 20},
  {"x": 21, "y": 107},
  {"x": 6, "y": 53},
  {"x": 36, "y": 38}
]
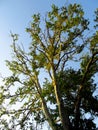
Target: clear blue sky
[{"x": 15, "y": 16}]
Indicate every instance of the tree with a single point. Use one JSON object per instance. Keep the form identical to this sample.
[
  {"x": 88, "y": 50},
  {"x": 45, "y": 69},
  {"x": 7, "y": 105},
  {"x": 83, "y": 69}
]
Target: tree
[{"x": 66, "y": 94}]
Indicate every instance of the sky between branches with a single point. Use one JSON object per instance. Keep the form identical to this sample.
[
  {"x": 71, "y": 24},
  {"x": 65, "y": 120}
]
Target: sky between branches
[{"x": 15, "y": 16}]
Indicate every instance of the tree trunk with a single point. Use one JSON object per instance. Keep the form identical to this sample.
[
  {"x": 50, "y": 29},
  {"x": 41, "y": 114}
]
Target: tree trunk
[
  {"x": 77, "y": 113},
  {"x": 45, "y": 109},
  {"x": 48, "y": 116},
  {"x": 62, "y": 110}
]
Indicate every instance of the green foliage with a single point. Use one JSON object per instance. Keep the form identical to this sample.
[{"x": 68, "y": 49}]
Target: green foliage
[{"x": 63, "y": 96}]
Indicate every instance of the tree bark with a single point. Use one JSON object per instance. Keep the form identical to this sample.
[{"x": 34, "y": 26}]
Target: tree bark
[
  {"x": 62, "y": 109},
  {"x": 48, "y": 116},
  {"x": 45, "y": 109},
  {"x": 77, "y": 112}
]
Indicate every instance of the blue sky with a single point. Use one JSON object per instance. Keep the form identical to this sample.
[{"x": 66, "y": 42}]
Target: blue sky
[{"x": 15, "y": 16}]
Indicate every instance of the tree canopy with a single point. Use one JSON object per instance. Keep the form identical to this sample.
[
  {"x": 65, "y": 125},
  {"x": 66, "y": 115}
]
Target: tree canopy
[{"x": 63, "y": 95}]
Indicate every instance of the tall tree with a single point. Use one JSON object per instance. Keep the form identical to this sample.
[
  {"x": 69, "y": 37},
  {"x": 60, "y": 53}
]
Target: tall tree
[{"x": 65, "y": 95}]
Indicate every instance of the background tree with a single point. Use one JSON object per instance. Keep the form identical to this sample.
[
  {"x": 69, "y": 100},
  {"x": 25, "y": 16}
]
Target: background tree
[{"x": 66, "y": 94}]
